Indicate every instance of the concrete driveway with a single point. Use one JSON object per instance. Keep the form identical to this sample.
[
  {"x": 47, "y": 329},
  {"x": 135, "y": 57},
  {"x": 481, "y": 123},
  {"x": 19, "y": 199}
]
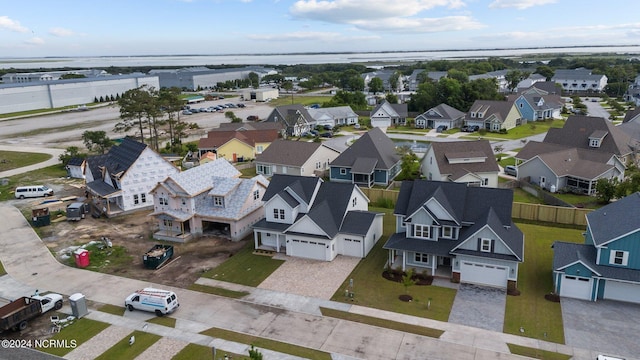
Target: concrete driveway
[
  {"x": 610, "y": 327},
  {"x": 479, "y": 306}
]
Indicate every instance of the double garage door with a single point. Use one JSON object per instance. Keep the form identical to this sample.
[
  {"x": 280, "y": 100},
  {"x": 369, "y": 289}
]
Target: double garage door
[
  {"x": 621, "y": 291},
  {"x": 482, "y": 274},
  {"x": 576, "y": 287},
  {"x": 308, "y": 249}
]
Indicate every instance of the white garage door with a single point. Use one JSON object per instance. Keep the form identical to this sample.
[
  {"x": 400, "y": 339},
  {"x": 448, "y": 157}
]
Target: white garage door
[
  {"x": 575, "y": 287},
  {"x": 483, "y": 274},
  {"x": 308, "y": 249},
  {"x": 615, "y": 290},
  {"x": 353, "y": 247}
]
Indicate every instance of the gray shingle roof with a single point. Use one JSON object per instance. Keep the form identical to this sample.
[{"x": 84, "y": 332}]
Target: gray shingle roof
[
  {"x": 577, "y": 129},
  {"x": 303, "y": 186},
  {"x": 565, "y": 253},
  {"x": 615, "y": 220},
  {"x": 373, "y": 144},
  {"x": 447, "y": 151},
  {"x": 286, "y": 152}
]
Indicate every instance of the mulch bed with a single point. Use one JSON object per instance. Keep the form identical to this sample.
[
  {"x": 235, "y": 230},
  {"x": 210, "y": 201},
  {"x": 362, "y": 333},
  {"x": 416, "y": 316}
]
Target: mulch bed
[
  {"x": 552, "y": 297},
  {"x": 396, "y": 276},
  {"x": 405, "y": 297}
]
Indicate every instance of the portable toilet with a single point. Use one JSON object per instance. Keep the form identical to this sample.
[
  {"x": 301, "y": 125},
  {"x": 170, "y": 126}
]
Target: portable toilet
[
  {"x": 78, "y": 305},
  {"x": 82, "y": 257}
]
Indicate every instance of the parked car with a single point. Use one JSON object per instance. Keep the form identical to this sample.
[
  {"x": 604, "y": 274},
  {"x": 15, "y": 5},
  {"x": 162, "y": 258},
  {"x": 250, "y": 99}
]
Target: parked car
[
  {"x": 327, "y": 134},
  {"x": 240, "y": 105},
  {"x": 187, "y": 112},
  {"x": 253, "y": 118},
  {"x": 314, "y": 132},
  {"x": 328, "y": 127},
  {"x": 465, "y": 128},
  {"x": 511, "y": 170},
  {"x": 161, "y": 302},
  {"x": 441, "y": 128},
  {"x": 474, "y": 128}
]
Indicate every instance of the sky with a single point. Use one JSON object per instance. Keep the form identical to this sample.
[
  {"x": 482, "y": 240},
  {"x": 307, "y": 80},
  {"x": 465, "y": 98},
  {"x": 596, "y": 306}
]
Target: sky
[{"x": 38, "y": 28}]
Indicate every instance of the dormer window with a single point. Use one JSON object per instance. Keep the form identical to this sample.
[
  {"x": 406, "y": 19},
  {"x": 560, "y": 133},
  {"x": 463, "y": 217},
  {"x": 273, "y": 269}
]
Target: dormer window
[
  {"x": 422, "y": 231},
  {"x": 618, "y": 257},
  {"x": 594, "y": 143},
  {"x": 218, "y": 201},
  {"x": 485, "y": 245},
  {"x": 447, "y": 232}
]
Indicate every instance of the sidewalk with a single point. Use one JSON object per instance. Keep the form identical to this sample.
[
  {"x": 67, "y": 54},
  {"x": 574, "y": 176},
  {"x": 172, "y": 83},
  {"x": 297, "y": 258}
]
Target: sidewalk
[{"x": 264, "y": 313}]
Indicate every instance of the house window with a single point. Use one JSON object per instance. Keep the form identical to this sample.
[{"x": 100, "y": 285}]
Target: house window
[
  {"x": 136, "y": 199},
  {"x": 422, "y": 258},
  {"x": 164, "y": 201},
  {"x": 256, "y": 194},
  {"x": 343, "y": 171},
  {"x": 485, "y": 182},
  {"x": 167, "y": 223},
  {"x": 618, "y": 257},
  {"x": 319, "y": 165},
  {"x": 354, "y": 202},
  {"x": 278, "y": 214},
  {"x": 447, "y": 232},
  {"x": 485, "y": 245},
  {"x": 259, "y": 149},
  {"x": 263, "y": 169},
  {"x": 281, "y": 214},
  {"x": 594, "y": 143},
  {"x": 143, "y": 197},
  {"x": 218, "y": 201},
  {"x": 422, "y": 231},
  {"x": 275, "y": 213}
]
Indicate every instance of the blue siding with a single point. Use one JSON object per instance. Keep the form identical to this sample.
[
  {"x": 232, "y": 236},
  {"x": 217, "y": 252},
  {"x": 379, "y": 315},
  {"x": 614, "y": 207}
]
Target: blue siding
[
  {"x": 578, "y": 270},
  {"x": 335, "y": 174},
  {"x": 525, "y": 109},
  {"x": 631, "y": 244},
  {"x": 588, "y": 239},
  {"x": 380, "y": 176}
]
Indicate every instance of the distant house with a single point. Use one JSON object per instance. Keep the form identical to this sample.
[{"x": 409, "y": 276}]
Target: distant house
[
  {"x": 209, "y": 199},
  {"x": 386, "y": 76},
  {"x": 632, "y": 94},
  {"x": 372, "y": 159},
  {"x": 530, "y": 81},
  {"x": 121, "y": 179},
  {"x": 76, "y": 167},
  {"x": 306, "y": 217},
  {"x": 631, "y": 127},
  {"x": 469, "y": 162},
  {"x": 579, "y": 80},
  {"x": 536, "y": 105},
  {"x": 493, "y": 115},
  {"x": 295, "y": 119},
  {"x": 500, "y": 77},
  {"x": 295, "y": 158},
  {"x": 339, "y": 115},
  {"x": 575, "y": 156},
  {"x": 387, "y": 114},
  {"x": 456, "y": 231},
  {"x": 236, "y": 145},
  {"x": 441, "y": 115},
  {"x": 607, "y": 265}
]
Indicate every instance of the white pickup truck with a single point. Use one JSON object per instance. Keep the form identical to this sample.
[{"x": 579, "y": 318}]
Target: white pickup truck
[{"x": 14, "y": 315}]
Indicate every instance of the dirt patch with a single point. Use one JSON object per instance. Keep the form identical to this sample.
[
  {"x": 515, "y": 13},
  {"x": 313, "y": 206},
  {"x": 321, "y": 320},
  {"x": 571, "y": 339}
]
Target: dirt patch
[{"x": 133, "y": 232}]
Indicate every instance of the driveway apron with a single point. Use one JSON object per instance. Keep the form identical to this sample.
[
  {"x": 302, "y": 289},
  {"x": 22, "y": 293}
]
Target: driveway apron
[{"x": 479, "y": 306}]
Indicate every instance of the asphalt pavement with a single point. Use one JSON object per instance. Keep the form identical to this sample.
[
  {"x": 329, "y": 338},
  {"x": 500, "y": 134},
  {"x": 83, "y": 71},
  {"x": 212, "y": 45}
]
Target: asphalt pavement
[{"x": 29, "y": 262}]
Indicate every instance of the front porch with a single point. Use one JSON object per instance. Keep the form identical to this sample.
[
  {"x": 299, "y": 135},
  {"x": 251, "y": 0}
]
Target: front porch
[
  {"x": 437, "y": 266},
  {"x": 170, "y": 235}
]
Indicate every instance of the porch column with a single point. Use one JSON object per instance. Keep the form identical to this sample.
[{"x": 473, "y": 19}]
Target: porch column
[
  {"x": 255, "y": 239},
  {"x": 404, "y": 260},
  {"x": 390, "y": 257},
  {"x": 434, "y": 259}
]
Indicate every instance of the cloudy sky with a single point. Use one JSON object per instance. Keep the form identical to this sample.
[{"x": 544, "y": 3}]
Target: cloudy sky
[{"x": 35, "y": 28}]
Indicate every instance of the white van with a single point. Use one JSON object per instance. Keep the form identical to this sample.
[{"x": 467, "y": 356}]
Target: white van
[
  {"x": 33, "y": 191},
  {"x": 161, "y": 302}
]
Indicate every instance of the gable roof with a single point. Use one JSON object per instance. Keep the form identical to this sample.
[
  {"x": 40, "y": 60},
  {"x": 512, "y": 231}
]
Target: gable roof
[
  {"x": 287, "y": 152},
  {"x": 249, "y": 126},
  {"x": 336, "y": 112},
  {"x": 615, "y": 220},
  {"x": 289, "y": 114},
  {"x": 250, "y": 137},
  {"x": 474, "y": 207},
  {"x": 447, "y": 154},
  {"x": 200, "y": 178},
  {"x": 303, "y": 186},
  {"x": 442, "y": 111},
  {"x": 497, "y": 108},
  {"x": 330, "y": 206},
  {"x": 393, "y": 110},
  {"x": 118, "y": 160},
  {"x": 578, "y": 129},
  {"x": 565, "y": 254},
  {"x": 374, "y": 144}
]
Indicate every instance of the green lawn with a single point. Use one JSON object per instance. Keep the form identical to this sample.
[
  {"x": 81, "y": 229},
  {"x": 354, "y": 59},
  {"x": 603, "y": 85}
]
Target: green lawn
[
  {"x": 163, "y": 320},
  {"x": 11, "y": 160},
  {"x": 245, "y": 268},
  {"x": 522, "y": 196},
  {"x": 122, "y": 350},
  {"x": 519, "y": 132},
  {"x": 248, "y": 173},
  {"x": 195, "y": 351},
  {"x": 80, "y": 332},
  {"x": 531, "y": 310},
  {"x": 536, "y": 353},
  {"x": 112, "y": 309},
  {"x": 40, "y": 176},
  {"x": 372, "y": 290},
  {"x": 218, "y": 291},
  {"x": 288, "y": 99},
  {"x": 265, "y": 343}
]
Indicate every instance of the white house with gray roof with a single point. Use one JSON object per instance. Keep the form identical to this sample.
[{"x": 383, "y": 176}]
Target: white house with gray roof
[
  {"x": 295, "y": 158},
  {"x": 338, "y": 115},
  {"x": 580, "y": 80},
  {"x": 210, "y": 199},
  {"x": 307, "y": 217}
]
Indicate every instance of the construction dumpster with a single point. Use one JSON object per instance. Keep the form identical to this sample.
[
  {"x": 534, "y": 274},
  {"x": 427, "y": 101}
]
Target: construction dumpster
[{"x": 157, "y": 256}]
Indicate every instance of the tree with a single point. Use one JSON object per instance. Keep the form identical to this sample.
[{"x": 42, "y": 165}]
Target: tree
[
  {"x": 392, "y": 98},
  {"x": 606, "y": 189},
  {"x": 96, "y": 141},
  {"x": 394, "y": 81},
  {"x": 287, "y": 86},
  {"x": 513, "y": 77},
  {"x": 70, "y": 152},
  {"x": 254, "y": 79},
  {"x": 133, "y": 106},
  {"x": 407, "y": 280},
  {"x": 409, "y": 165},
  {"x": 376, "y": 85},
  {"x": 170, "y": 102},
  {"x": 255, "y": 354}
]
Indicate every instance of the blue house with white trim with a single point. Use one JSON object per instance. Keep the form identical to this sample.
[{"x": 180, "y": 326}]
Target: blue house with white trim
[{"x": 607, "y": 265}]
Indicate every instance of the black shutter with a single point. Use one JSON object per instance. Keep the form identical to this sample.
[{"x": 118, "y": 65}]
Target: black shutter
[
  {"x": 479, "y": 244},
  {"x": 493, "y": 245}
]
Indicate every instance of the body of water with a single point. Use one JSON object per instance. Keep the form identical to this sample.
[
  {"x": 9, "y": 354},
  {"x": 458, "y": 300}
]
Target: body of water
[{"x": 301, "y": 58}]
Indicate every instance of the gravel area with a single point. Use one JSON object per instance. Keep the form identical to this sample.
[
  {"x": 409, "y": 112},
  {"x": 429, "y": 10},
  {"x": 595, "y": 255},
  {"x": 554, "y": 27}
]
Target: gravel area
[
  {"x": 99, "y": 343},
  {"x": 314, "y": 278},
  {"x": 165, "y": 348}
]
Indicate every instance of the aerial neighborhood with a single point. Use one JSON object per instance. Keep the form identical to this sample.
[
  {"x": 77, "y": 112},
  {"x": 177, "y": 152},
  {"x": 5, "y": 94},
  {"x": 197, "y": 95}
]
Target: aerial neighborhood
[{"x": 498, "y": 185}]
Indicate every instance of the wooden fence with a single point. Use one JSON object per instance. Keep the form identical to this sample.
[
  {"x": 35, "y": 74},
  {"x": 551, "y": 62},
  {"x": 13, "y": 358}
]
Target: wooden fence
[{"x": 524, "y": 211}]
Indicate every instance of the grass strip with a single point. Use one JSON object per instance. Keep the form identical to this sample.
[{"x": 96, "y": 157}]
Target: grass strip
[
  {"x": 163, "y": 320},
  {"x": 122, "y": 350},
  {"x": 112, "y": 309},
  {"x": 218, "y": 291},
  {"x": 74, "y": 335},
  {"x": 265, "y": 343},
  {"x": 536, "y": 353},
  {"x": 383, "y": 323},
  {"x": 195, "y": 351}
]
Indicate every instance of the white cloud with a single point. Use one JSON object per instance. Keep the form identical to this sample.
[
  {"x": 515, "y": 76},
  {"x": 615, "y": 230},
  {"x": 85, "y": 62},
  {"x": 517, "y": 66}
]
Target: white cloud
[
  {"x": 60, "y": 32},
  {"x": 349, "y": 11},
  {"x": 310, "y": 36},
  {"x": 422, "y": 25},
  {"x": 34, "y": 41},
  {"x": 519, "y": 4},
  {"x": 11, "y": 25}
]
